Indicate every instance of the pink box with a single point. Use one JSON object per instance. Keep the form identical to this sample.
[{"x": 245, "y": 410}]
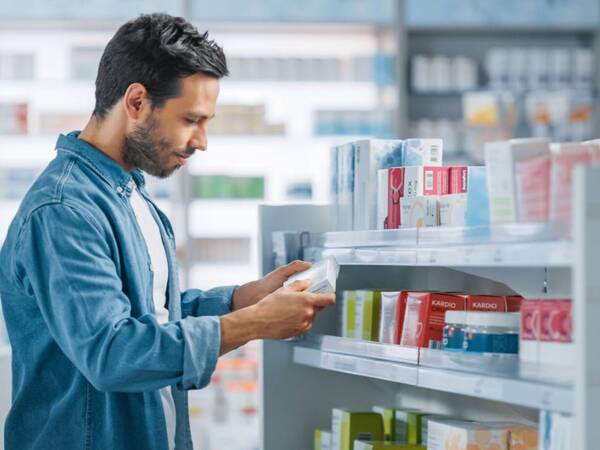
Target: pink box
[
  {"x": 556, "y": 332},
  {"x": 533, "y": 189},
  {"x": 513, "y": 303},
  {"x": 458, "y": 180},
  {"x": 400, "y": 313},
  {"x": 390, "y": 190},
  {"x": 529, "y": 344},
  {"x": 424, "y": 318},
  {"x": 426, "y": 180}
]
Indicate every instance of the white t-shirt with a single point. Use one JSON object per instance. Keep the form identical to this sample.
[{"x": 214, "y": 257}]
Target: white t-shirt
[{"x": 158, "y": 259}]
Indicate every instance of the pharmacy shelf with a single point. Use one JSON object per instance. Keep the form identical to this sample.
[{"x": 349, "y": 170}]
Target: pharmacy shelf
[
  {"x": 489, "y": 381},
  {"x": 515, "y": 245}
]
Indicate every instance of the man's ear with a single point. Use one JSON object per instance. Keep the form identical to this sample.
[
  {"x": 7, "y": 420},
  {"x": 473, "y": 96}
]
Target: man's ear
[{"x": 136, "y": 101}]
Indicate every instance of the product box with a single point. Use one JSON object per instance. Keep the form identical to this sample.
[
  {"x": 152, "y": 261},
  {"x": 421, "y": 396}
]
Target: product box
[
  {"x": 414, "y": 421},
  {"x": 323, "y": 276},
  {"x": 345, "y": 190},
  {"x": 373, "y": 445},
  {"x": 513, "y": 303},
  {"x": 349, "y": 314},
  {"x": 556, "y": 332},
  {"x": 522, "y": 437},
  {"x": 461, "y": 435},
  {"x": 388, "y": 316},
  {"x": 529, "y": 338},
  {"x": 425, "y": 180},
  {"x": 367, "y": 313},
  {"x": 388, "y": 416},
  {"x": 488, "y": 303},
  {"x": 322, "y": 440},
  {"x": 418, "y": 212},
  {"x": 501, "y": 158},
  {"x": 422, "y": 152},
  {"x": 556, "y": 431},
  {"x": 400, "y": 313},
  {"x": 478, "y": 201},
  {"x": 458, "y": 180},
  {"x": 348, "y": 426},
  {"x": 565, "y": 157},
  {"x": 453, "y": 210},
  {"x": 533, "y": 189},
  {"x": 390, "y": 189},
  {"x": 334, "y": 182},
  {"x": 425, "y": 424},
  {"x": 369, "y": 157},
  {"x": 424, "y": 319}
]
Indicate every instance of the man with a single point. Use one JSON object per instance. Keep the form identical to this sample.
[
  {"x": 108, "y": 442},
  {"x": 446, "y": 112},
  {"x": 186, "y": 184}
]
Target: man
[{"x": 104, "y": 343}]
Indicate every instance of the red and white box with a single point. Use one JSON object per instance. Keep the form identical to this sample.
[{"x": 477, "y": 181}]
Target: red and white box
[
  {"x": 426, "y": 180},
  {"x": 513, "y": 303},
  {"x": 400, "y": 314},
  {"x": 458, "y": 180},
  {"x": 565, "y": 157},
  {"x": 556, "y": 332},
  {"x": 533, "y": 189},
  {"x": 529, "y": 338},
  {"x": 424, "y": 318},
  {"x": 416, "y": 212},
  {"x": 390, "y": 189},
  {"x": 486, "y": 303}
]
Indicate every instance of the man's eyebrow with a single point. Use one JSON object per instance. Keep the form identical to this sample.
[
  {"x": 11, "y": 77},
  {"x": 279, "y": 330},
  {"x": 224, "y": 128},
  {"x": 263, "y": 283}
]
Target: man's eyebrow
[{"x": 200, "y": 115}]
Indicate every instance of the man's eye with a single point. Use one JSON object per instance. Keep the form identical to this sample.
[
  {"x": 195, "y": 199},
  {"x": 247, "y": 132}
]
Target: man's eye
[{"x": 190, "y": 121}]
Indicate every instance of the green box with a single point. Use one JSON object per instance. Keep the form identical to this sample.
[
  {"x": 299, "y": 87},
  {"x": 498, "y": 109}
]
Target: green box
[
  {"x": 389, "y": 422},
  {"x": 379, "y": 445},
  {"x": 349, "y": 314},
  {"x": 368, "y": 312},
  {"x": 322, "y": 439},
  {"x": 348, "y": 426},
  {"x": 414, "y": 426}
]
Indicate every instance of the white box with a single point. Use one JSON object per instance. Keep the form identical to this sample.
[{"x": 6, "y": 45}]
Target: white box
[
  {"x": 387, "y": 321},
  {"x": 370, "y": 156},
  {"x": 501, "y": 158},
  {"x": 426, "y": 180},
  {"x": 419, "y": 211},
  {"x": 422, "y": 152},
  {"x": 344, "y": 210},
  {"x": 323, "y": 276},
  {"x": 453, "y": 210}
]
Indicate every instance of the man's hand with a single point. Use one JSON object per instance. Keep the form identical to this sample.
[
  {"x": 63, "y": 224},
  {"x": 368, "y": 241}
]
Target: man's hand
[
  {"x": 253, "y": 292},
  {"x": 287, "y": 312}
]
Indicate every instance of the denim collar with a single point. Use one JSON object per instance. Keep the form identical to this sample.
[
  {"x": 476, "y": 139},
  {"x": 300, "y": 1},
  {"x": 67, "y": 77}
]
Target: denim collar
[{"x": 109, "y": 170}]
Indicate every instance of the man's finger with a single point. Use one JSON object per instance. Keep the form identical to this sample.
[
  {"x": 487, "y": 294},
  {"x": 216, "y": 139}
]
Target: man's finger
[
  {"x": 295, "y": 266},
  {"x": 323, "y": 300},
  {"x": 299, "y": 285}
]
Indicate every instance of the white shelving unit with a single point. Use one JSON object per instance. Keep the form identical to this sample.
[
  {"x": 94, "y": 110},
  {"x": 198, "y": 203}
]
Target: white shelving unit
[{"x": 303, "y": 379}]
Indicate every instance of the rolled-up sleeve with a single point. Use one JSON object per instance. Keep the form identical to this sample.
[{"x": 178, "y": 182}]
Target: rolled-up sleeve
[
  {"x": 214, "y": 302},
  {"x": 65, "y": 261}
]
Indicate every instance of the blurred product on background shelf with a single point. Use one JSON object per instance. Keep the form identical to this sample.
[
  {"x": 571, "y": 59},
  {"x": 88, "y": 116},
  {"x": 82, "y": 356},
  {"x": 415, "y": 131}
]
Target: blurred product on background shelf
[
  {"x": 557, "y": 431},
  {"x": 227, "y": 187},
  {"x": 322, "y": 439},
  {"x": 14, "y": 118},
  {"x": 15, "y": 182},
  {"x": 244, "y": 120},
  {"x": 443, "y": 74}
]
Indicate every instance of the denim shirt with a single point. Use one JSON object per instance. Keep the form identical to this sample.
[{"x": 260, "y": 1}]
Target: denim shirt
[{"x": 88, "y": 354}]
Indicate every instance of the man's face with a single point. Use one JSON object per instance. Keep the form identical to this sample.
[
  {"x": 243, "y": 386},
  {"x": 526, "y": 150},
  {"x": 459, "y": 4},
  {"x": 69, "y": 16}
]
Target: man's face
[{"x": 172, "y": 133}]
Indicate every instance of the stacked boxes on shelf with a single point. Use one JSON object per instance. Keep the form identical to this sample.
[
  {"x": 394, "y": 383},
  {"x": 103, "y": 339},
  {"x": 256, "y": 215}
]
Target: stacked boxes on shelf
[{"x": 408, "y": 429}]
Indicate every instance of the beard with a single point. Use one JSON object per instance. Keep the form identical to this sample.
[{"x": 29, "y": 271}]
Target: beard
[{"x": 143, "y": 150}]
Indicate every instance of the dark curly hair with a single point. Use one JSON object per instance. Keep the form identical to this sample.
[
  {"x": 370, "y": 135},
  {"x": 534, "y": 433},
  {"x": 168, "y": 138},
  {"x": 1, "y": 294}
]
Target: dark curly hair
[{"x": 156, "y": 50}]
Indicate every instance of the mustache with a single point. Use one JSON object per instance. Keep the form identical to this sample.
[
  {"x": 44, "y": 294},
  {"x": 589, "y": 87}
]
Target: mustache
[{"x": 188, "y": 151}]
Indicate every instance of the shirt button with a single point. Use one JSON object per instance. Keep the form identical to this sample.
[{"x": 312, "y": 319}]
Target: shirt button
[{"x": 119, "y": 189}]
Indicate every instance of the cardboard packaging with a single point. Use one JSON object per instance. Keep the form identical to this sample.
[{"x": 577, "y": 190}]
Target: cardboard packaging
[
  {"x": 556, "y": 333},
  {"x": 501, "y": 158},
  {"x": 369, "y": 157},
  {"x": 372, "y": 445},
  {"x": 419, "y": 212},
  {"x": 425, "y": 317},
  {"x": 565, "y": 157},
  {"x": 458, "y": 181},
  {"x": 390, "y": 189},
  {"x": 322, "y": 275},
  {"x": 557, "y": 431},
  {"x": 322, "y": 440},
  {"x": 461, "y": 435},
  {"x": 349, "y": 314},
  {"x": 425, "y": 180},
  {"x": 529, "y": 338},
  {"x": 368, "y": 313},
  {"x": 388, "y": 416},
  {"x": 348, "y": 426},
  {"x": 453, "y": 210},
  {"x": 414, "y": 422},
  {"x": 422, "y": 152},
  {"x": 387, "y": 322},
  {"x": 345, "y": 189},
  {"x": 513, "y": 303},
  {"x": 533, "y": 189},
  {"x": 478, "y": 201},
  {"x": 400, "y": 313}
]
